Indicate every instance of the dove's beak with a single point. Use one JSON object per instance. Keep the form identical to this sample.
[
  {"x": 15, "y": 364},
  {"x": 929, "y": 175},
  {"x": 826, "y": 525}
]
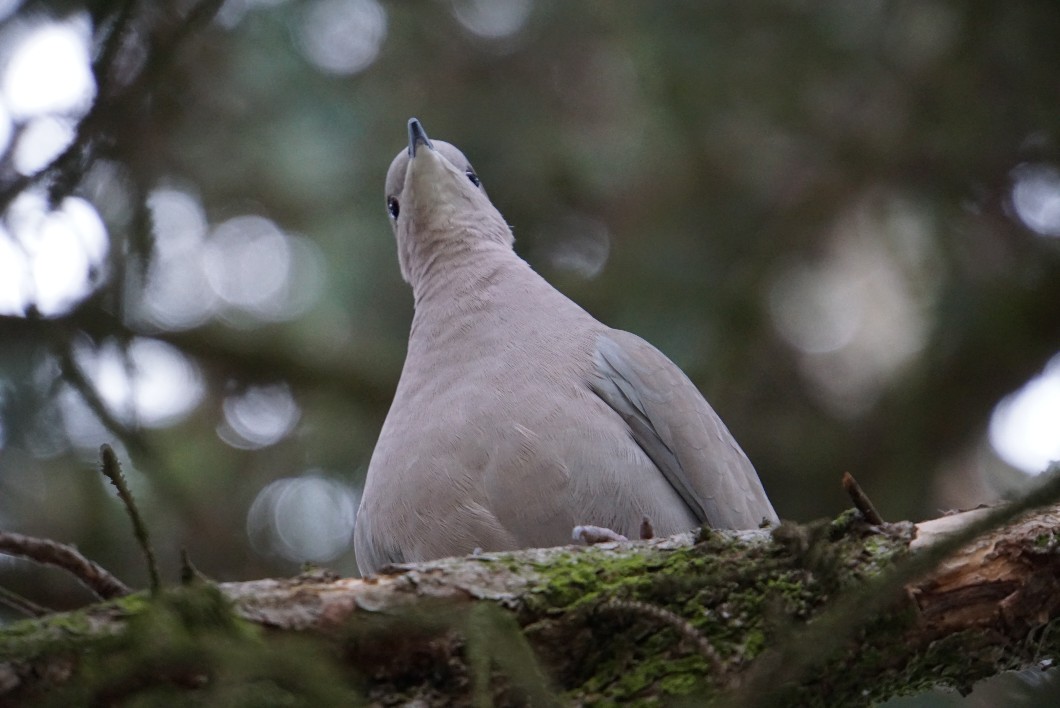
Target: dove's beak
[{"x": 417, "y": 136}]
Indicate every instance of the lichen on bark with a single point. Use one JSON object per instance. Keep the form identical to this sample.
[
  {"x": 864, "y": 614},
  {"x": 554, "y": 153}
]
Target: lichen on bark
[{"x": 713, "y": 617}]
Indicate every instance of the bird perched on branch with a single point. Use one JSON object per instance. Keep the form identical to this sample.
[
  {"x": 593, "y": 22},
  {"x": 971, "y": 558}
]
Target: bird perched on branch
[{"x": 518, "y": 416}]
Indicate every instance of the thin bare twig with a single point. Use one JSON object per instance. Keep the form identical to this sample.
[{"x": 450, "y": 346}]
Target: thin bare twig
[
  {"x": 861, "y": 500},
  {"x": 189, "y": 574},
  {"x": 71, "y": 159},
  {"x": 60, "y": 555},
  {"x": 21, "y": 604},
  {"x": 785, "y": 664},
  {"x": 67, "y": 168},
  {"x": 74, "y": 375},
  {"x": 101, "y": 67},
  {"x": 111, "y": 468},
  {"x": 216, "y": 347},
  {"x": 677, "y": 622}
]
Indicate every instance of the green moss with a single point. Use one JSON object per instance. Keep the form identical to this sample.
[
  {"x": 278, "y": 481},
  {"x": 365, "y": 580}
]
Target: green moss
[
  {"x": 754, "y": 643},
  {"x": 581, "y": 578},
  {"x": 63, "y": 631},
  {"x": 679, "y": 684},
  {"x": 1046, "y": 542},
  {"x": 742, "y": 595},
  {"x": 607, "y": 617},
  {"x": 844, "y": 523},
  {"x": 683, "y": 581},
  {"x": 185, "y": 639}
]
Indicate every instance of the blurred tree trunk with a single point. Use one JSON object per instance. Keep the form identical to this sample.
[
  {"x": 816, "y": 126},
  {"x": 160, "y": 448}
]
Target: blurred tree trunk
[{"x": 746, "y": 617}]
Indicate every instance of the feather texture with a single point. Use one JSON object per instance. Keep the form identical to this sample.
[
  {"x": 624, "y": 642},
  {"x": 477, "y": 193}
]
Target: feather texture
[{"x": 519, "y": 416}]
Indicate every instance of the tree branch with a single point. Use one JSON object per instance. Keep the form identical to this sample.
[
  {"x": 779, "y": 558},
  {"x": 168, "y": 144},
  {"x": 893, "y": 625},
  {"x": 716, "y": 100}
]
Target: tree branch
[
  {"x": 60, "y": 555},
  {"x": 629, "y": 621},
  {"x": 257, "y": 356}
]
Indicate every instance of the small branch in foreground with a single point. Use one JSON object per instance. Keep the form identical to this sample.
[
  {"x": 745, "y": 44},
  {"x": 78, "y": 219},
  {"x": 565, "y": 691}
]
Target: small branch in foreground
[
  {"x": 189, "y": 574},
  {"x": 683, "y": 627},
  {"x": 786, "y": 663},
  {"x": 861, "y": 500},
  {"x": 22, "y": 604},
  {"x": 111, "y": 468},
  {"x": 60, "y": 555}
]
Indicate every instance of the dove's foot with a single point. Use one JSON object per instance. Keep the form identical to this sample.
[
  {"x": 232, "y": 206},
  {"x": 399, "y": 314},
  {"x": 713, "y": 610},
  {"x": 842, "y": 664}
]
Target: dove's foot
[{"x": 591, "y": 535}]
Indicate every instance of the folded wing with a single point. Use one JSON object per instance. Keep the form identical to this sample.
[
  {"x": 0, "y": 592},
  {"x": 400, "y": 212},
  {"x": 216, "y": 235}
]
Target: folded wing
[{"x": 679, "y": 431}]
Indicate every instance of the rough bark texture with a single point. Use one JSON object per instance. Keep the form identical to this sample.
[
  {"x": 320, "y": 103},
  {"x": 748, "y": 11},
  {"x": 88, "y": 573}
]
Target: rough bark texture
[{"x": 636, "y": 621}]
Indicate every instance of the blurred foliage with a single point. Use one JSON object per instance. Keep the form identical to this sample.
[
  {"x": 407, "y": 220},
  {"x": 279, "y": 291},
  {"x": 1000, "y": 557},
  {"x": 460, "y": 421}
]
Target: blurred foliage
[{"x": 724, "y": 179}]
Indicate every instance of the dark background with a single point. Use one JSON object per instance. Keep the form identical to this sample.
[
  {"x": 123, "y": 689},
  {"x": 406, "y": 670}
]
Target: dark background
[{"x": 839, "y": 219}]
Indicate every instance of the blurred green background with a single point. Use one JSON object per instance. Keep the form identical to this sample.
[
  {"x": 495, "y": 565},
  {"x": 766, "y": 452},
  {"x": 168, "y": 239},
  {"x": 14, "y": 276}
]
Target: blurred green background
[{"x": 839, "y": 218}]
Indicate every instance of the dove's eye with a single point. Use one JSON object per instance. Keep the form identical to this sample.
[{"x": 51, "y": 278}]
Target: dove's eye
[
  {"x": 473, "y": 177},
  {"x": 393, "y": 207}
]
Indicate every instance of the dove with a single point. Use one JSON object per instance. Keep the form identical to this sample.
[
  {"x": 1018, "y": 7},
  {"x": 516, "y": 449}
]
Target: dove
[{"x": 517, "y": 415}]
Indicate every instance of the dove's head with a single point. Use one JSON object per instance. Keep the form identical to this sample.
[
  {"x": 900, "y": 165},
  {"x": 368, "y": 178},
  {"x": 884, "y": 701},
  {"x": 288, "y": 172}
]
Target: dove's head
[{"x": 436, "y": 204}]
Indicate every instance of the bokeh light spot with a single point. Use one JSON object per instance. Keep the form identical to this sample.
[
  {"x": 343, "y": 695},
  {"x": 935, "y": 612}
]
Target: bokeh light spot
[
  {"x": 857, "y": 316},
  {"x": 233, "y": 11},
  {"x": 492, "y": 19},
  {"x": 1036, "y": 197},
  {"x": 15, "y": 286},
  {"x": 151, "y": 384},
  {"x": 342, "y": 36},
  {"x": 248, "y": 262},
  {"x": 307, "y": 518},
  {"x": 576, "y": 243},
  {"x": 41, "y": 141},
  {"x": 7, "y": 128},
  {"x": 49, "y": 71},
  {"x": 56, "y": 256},
  {"x": 1025, "y": 425},
  {"x": 255, "y": 267},
  {"x": 259, "y": 416},
  {"x": 245, "y": 266},
  {"x": 813, "y": 308},
  {"x": 177, "y": 294}
]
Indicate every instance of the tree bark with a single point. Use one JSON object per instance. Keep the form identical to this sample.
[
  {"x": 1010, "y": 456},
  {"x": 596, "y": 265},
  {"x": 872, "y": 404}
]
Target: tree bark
[{"x": 714, "y": 617}]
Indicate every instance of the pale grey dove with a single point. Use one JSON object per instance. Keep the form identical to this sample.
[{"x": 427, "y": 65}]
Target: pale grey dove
[{"x": 518, "y": 415}]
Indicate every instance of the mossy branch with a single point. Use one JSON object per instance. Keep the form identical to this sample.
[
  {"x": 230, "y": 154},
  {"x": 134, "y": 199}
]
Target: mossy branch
[
  {"x": 800, "y": 651},
  {"x": 659, "y": 619}
]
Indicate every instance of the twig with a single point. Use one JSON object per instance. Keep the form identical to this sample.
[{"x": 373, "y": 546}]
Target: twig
[
  {"x": 189, "y": 574},
  {"x": 255, "y": 356},
  {"x": 70, "y": 165},
  {"x": 679, "y": 623},
  {"x": 861, "y": 500},
  {"x": 777, "y": 669},
  {"x": 22, "y": 604},
  {"x": 74, "y": 375},
  {"x": 72, "y": 162},
  {"x": 87, "y": 127},
  {"x": 111, "y": 468},
  {"x": 109, "y": 53},
  {"x": 60, "y": 555}
]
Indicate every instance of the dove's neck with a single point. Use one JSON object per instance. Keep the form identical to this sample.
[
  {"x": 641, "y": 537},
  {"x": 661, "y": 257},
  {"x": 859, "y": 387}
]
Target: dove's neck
[
  {"x": 464, "y": 276},
  {"x": 480, "y": 291}
]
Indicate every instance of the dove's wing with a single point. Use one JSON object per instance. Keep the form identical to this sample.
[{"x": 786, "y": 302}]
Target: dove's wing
[{"x": 675, "y": 426}]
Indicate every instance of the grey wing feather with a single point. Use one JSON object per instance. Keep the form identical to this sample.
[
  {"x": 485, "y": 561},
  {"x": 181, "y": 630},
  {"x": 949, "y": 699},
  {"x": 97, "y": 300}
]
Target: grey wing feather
[{"x": 679, "y": 431}]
